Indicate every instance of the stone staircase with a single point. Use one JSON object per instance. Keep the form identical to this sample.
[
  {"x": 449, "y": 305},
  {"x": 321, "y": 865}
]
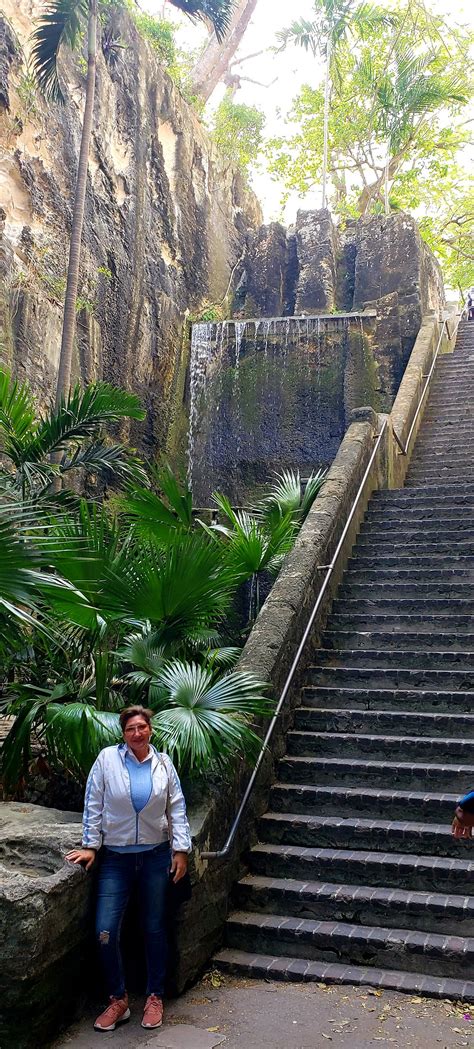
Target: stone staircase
[{"x": 356, "y": 878}]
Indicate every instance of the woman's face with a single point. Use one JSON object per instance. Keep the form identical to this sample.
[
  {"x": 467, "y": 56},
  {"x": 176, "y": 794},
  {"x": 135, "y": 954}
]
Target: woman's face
[{"x": 137, "y": 733}]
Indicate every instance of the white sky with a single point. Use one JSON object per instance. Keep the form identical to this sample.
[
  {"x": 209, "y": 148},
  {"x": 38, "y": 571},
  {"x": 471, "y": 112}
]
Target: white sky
[{"x": 292, "y": 68}]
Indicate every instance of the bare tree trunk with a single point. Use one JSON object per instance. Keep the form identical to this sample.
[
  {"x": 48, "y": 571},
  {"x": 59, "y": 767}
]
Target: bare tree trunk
[
  {"x": 214, "y": 61},
  {"x": 327, "y": 90},
  {"x": 69, "y": 318}
]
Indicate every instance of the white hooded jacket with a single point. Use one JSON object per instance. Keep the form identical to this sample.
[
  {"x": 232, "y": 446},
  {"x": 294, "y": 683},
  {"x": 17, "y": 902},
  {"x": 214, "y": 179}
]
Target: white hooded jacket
[{"x": 109, "y": 816}]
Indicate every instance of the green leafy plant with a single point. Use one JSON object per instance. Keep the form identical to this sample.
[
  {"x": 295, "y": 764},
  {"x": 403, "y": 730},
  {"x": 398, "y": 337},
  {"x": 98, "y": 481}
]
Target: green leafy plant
[
  {"x": 73, "y": 431},
  {"x": 237, "y": 131}
]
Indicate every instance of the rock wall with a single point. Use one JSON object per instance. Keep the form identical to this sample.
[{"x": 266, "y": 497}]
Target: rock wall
[
  {"x": 378, "y": 263},
  {"x": 165, "y": 223}
]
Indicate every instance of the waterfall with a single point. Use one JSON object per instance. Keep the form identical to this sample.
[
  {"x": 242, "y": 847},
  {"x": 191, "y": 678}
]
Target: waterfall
[
  {"x": 201, "y": 352},
  {"x": 266, "y": 394}
]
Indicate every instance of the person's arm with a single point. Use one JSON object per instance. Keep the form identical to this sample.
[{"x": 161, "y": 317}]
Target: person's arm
[
  {"x": 463, "y": 823},
  {"x": 180, "y": 834},
  {"x": 92, "y": 817}
]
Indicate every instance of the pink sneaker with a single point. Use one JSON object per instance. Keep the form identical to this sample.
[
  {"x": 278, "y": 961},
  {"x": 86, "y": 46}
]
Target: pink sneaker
[
  {"x": 153, "y": 1014},
  {"x": 115, "y": 1013}
]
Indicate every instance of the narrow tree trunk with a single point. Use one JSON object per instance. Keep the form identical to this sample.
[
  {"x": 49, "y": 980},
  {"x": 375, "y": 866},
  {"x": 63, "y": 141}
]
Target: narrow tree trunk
[
  {"x": 69, "y": 318},
  {"x": 215, "y": 60},
  {"x": 327, "y": 89},
  {"x": 386, "y": 184}
]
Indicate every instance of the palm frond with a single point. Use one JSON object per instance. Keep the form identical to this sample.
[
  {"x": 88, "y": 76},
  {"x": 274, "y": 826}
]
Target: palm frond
[
  {"x": 80, "y": 415},
  {"x": 303, "y": 33},
  {"x": 61, "y": 22},
  {"x": 76, "y": 732},
  {"x": 216, "y": 13},
  {"x": 113, "y": 461},
  {"x": 17, "y": 416},
  {"x": 156, "y": 518},
  {"x": 180, "y": 588},
  {"x": 201, "y": 721}
]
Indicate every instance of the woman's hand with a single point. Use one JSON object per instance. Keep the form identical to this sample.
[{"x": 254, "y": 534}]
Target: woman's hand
[
  {"x": 179, "y": 865},
  {"x": 462, "y": 824},
  {"x": 86, "y": 856}
]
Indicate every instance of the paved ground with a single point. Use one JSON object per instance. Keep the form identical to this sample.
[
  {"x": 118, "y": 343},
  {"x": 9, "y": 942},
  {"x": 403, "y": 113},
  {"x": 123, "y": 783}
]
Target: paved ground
[{"x": 249, "y": 1014}]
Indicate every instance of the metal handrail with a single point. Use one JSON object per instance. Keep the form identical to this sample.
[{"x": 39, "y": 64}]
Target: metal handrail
[
  {"x": 220, "y": 853},
  {"x": 404, "y": 447}
]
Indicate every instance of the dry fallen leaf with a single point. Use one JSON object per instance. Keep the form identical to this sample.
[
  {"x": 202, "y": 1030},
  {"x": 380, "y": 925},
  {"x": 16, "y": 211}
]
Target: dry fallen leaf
[
  {"x": 212, "y": 1029},
  {"x": 328, "y": 1036}
]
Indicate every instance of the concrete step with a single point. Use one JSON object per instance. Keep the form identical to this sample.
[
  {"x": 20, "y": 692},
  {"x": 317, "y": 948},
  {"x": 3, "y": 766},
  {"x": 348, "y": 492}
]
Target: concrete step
[
  {"x": 392, "y": 677},
  {"x": 278, "y": 967},
  {"x": 400, "y": 606},
  {"x": 375, "y": 772},
  {"x": 373, "y": 699},
  {"x": 347, "y": 802},
  {"x": 457, "y": 413},
  {"x": 358, "y": 573},
  {"x": 391, "y": 515},
  {"x": 433, "y": 461},
  {"x": 335, "y": 832},
  {"x": 437, "y": 472},
  {"x": 437, "y": 953},
  {"x": 406, "y": 589},
  {"x": 364, "y": 904},
  {"x": 442, "y": 492},
  {"x": 365, "y": 639},
  {"x": 396, "y": 722},
  {"x": 347, "y": 866},
  {"x": 376, "y": 747},
  {"x": 414, "y": 545},
  {"x": 409, "y": 533},
  {"x": 399, "y": 657},
  {"x": 402, "y": 622},
  {"x": 364, "y": 557},
  {"x": 444, "y": 445}
]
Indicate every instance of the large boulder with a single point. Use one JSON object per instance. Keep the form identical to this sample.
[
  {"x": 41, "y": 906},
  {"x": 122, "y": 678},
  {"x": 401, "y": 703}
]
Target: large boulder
[{"x": 44, "y": 923}]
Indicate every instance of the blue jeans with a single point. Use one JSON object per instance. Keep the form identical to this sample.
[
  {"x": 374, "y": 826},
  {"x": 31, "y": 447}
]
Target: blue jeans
[{"x": 119, "y": 873}]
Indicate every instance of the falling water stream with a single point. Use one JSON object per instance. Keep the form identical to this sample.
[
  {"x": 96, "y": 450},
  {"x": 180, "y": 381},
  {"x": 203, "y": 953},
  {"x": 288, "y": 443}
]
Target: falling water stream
[{"x": 267, "y": 394}]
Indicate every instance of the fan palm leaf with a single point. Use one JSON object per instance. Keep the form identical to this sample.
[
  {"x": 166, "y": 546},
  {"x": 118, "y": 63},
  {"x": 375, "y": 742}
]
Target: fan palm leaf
[
  {"x": 286, "y": 496},
  {"x": 201, "y": 721}
]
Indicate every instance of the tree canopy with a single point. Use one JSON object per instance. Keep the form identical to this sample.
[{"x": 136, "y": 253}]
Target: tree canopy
[{"x": 398, "y": 112}]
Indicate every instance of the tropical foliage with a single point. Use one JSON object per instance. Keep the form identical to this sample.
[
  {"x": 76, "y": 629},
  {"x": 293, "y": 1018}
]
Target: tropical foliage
[
  {"x": 128, "y": 600},
  {"x": 73, "y": 433},
  {"x": 334, "y": 22},
  {"x": 398, "y": 128},
  {"x": 237, "y": 132}
]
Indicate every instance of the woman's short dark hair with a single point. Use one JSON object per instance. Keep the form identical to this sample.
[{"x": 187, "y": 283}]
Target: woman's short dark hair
[{"x": 133, "y": 712}]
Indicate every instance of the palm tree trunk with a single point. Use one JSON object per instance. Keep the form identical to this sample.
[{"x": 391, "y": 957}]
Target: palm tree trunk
[
  {"x": 386, "y": 184},
  {"x": 327, "y": 86},
  {"x": 69, "y": 319}
]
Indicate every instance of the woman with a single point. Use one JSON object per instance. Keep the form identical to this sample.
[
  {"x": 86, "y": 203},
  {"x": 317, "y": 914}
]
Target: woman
[{"x": 134, "y": 807}]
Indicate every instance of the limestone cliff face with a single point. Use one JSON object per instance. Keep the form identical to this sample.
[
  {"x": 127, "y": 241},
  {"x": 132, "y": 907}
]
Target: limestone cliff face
[
  {"x": 165, "y": 221},
  {"x": 376, "y": 263}
]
